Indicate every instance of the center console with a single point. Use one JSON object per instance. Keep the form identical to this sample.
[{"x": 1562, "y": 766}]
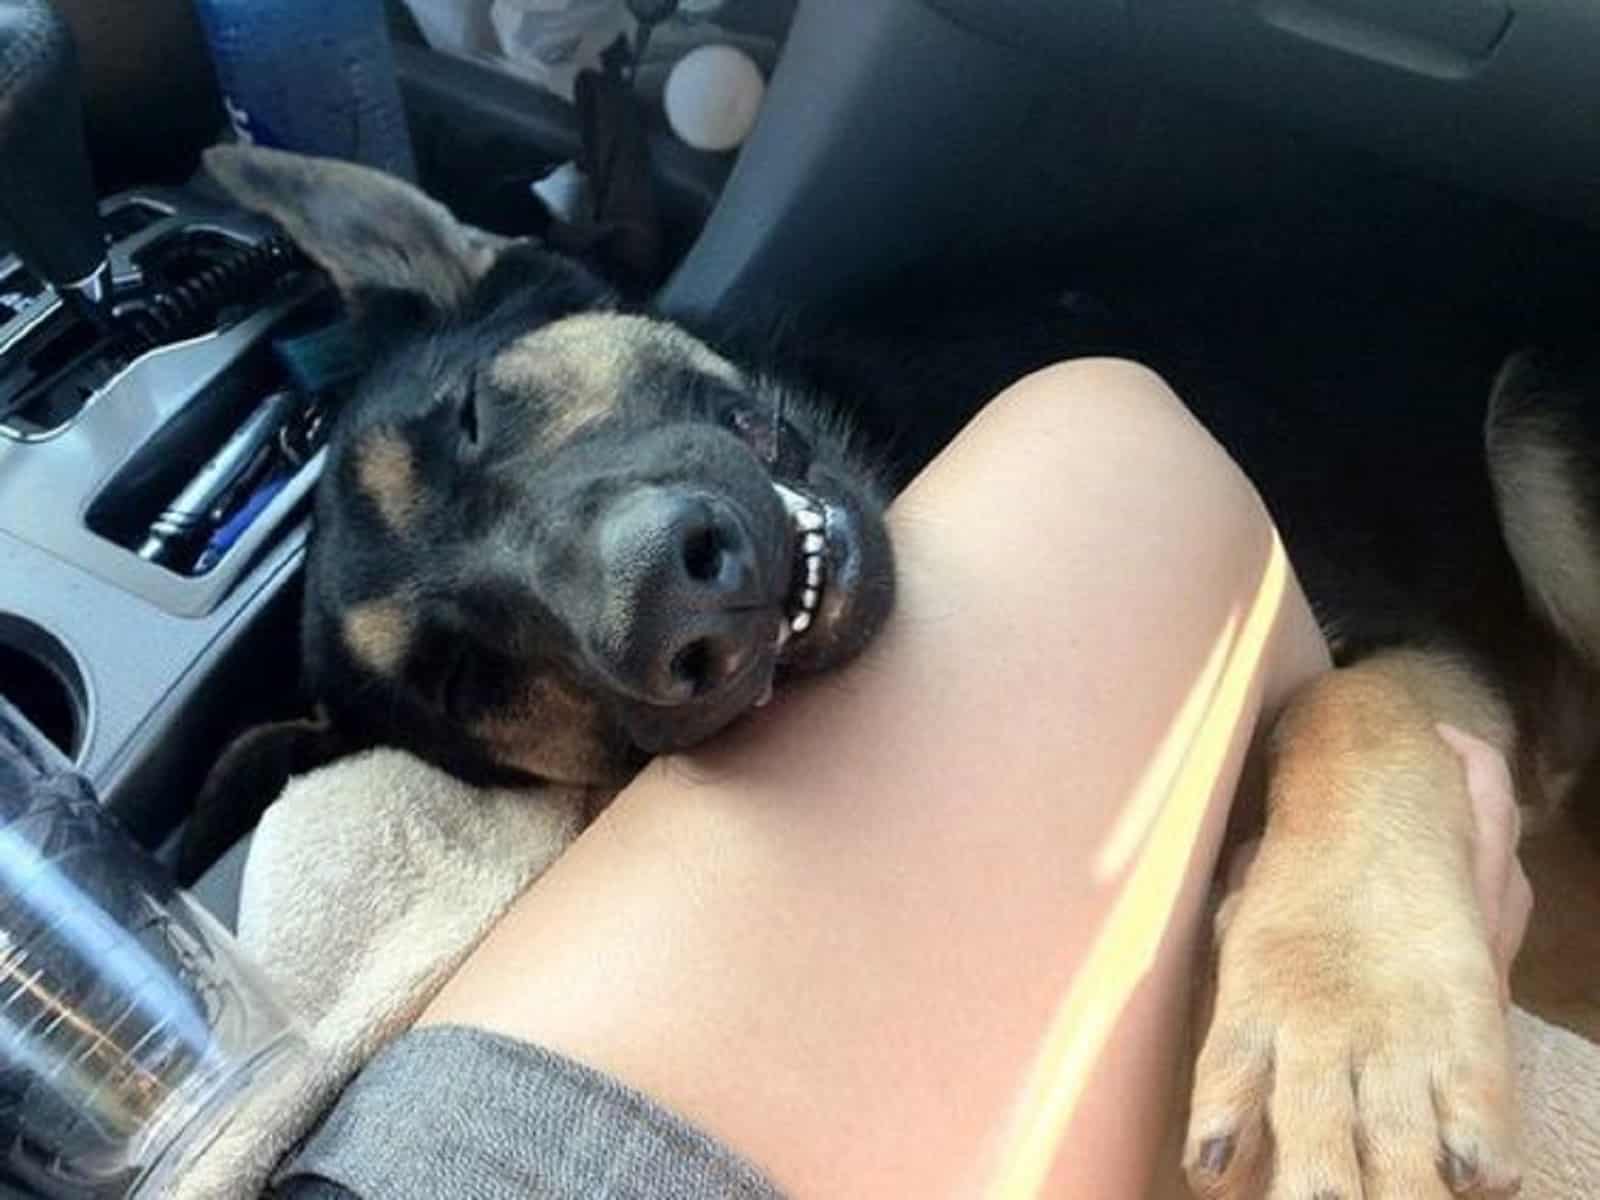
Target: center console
[
  {"x": 165, "y": 371},
  {"x": 152, "y": 502}
]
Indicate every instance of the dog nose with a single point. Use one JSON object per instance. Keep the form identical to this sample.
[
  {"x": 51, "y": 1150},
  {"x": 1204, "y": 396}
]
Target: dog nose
[{"x": 683, "y": 608}]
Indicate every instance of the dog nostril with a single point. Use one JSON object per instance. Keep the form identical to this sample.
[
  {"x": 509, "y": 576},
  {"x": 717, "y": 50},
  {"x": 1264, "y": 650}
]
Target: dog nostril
[
  {"x": 692, "y": 666},
  {"x": 702, "y": 554},
  {"x": 686, "y": 604}
]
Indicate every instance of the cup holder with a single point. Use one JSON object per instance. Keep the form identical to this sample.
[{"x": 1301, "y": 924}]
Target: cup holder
[{"x": 39, "y": 675}]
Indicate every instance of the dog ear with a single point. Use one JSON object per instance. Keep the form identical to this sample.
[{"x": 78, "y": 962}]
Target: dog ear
[
  {"x": 249, "y": 776},
  {"x": 371, "y": 232}
]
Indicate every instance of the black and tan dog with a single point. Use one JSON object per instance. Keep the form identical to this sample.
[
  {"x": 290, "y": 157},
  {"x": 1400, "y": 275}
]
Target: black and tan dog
[{"x": 555, "y": 537}]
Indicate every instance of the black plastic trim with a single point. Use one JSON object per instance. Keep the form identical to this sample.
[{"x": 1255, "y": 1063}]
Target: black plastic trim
[{"x": 1506, "y": 107}]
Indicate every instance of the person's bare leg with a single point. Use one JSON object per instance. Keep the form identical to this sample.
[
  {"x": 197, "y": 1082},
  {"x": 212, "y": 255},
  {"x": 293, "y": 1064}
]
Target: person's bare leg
[{"x": 898, "y": 931}]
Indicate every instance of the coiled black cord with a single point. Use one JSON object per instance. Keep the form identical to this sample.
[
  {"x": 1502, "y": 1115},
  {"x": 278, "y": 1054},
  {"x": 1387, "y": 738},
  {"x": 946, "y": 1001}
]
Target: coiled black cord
[{"x": 189, "y": 307}]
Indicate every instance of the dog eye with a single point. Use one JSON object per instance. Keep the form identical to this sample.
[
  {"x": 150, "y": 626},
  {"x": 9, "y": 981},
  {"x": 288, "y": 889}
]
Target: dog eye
[
  {"x": 467, "y": 413},
  {"x": 754, "y": 429},
  {"x": 774, "y": 439},
  {"x": 454, "y": 690}
]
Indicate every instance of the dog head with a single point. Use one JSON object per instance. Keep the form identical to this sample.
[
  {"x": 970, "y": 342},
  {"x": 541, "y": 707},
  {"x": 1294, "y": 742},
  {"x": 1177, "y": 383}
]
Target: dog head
[{"x": 553, "y": 537}]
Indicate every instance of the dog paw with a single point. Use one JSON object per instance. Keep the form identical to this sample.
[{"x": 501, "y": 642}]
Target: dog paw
[{"x": 1357, "y": 1049}]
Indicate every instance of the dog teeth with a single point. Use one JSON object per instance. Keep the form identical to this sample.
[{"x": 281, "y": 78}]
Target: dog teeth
[
  {"x": 793, "y": 501},
  {"x": 809, "y": 523}
]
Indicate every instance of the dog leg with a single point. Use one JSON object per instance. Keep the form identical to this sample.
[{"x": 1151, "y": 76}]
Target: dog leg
[{"x": 1357, "y": 1046}]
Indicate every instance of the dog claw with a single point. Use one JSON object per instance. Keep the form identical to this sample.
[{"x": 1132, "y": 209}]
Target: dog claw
[
  {"x": 1460, "y": 1171},
  {"x": 1215, "y": 1154}
]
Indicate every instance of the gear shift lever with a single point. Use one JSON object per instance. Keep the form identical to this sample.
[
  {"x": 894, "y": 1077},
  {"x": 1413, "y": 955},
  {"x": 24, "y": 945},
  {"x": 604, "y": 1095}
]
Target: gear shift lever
[{"x": 48, "y": 211}]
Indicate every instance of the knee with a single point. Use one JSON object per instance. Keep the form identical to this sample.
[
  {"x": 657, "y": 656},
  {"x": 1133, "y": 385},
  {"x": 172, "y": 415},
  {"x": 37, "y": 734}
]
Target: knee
[
  {"x": 1114, "y": 403},
  {"x": 1112, "y": 432},
  {"x": 1089, "y": 489},
  {"x": 1113, "y": 385}
]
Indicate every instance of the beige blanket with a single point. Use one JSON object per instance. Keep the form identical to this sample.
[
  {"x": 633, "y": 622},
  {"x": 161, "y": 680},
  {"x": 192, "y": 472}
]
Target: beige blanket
[{"x": 370, "y": 880}]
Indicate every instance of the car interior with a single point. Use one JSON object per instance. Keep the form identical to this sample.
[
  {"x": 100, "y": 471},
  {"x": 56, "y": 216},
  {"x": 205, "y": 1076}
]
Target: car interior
[{"x": 1333, "y": 217}]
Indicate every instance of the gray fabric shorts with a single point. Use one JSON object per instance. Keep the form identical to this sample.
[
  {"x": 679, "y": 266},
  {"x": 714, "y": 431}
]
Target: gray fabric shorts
[{"x": 454, "y": 1112}]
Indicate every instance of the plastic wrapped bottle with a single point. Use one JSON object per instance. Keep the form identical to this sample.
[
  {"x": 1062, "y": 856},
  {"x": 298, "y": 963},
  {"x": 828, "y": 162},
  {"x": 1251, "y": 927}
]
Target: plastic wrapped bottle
[{"x": 550, "y": 41}]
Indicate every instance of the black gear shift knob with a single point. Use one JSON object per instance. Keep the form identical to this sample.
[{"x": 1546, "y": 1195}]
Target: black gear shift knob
[{"x": 49, "y": 216}]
